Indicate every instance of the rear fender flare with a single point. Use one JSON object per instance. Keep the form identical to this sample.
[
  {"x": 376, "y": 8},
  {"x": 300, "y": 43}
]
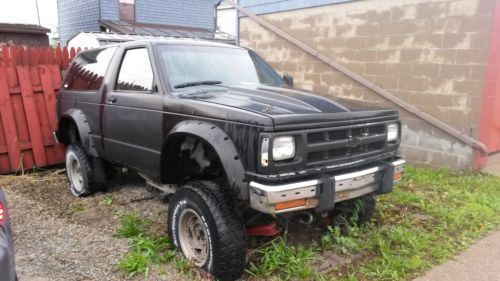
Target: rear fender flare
[
  {"x": 82, "y": 125},
  {"x": 223, "y": 146}
]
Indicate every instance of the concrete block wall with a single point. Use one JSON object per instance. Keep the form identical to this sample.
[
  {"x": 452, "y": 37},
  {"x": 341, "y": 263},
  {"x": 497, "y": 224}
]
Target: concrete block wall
[{"x": 430, "y": 53}]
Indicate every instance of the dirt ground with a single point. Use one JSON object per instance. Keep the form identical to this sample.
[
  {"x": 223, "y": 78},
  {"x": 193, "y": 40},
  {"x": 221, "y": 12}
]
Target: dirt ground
[{"x": 60, "y": 237}]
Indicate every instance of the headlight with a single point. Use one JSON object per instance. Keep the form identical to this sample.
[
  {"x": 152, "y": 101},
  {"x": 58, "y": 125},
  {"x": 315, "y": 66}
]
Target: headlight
[
  {"x": 283, "y": 148},
  {"x": 392, "y": 132}
]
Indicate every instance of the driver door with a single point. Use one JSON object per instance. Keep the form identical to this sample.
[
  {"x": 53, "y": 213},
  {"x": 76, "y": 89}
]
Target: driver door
[{"x": 132, "y": 122}]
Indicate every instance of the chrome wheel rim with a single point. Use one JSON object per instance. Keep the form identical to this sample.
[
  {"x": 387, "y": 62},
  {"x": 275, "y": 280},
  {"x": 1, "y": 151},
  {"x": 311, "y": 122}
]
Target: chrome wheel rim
[
  {"x": 75, "y": 173},
  {"x": 193, "y": 237}
]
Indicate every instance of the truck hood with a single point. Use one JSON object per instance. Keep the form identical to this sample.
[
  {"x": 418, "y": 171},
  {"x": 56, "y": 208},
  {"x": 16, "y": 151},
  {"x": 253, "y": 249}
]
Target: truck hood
[{"x": 289, "y": 107}]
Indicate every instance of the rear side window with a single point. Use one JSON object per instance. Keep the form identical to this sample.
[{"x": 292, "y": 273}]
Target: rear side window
[
  {"x": 88, "y": 69},
  {"x": 135, "y": 72}
]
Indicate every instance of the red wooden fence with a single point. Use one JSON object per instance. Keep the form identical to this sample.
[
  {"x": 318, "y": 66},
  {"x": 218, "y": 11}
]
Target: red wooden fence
[{"x": 29, "y": 81}]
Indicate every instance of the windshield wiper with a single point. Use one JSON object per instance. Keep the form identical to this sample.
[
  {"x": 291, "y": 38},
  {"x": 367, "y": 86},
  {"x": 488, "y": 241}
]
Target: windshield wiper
[{"x": 197, "y": 83}]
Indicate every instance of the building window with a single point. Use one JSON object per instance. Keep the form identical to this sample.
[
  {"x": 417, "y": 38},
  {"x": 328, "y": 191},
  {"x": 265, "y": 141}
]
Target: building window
[{"x": 127, "y": 10}]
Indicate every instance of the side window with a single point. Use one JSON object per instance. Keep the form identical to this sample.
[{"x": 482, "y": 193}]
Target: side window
[
  {"x": 135, "y": 72},
  {"x": 88, "y": 69}
]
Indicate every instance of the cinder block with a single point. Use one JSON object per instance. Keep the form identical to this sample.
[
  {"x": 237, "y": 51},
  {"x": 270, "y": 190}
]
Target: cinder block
[
  {"x": 443, "y": 25},
  {"x": 454, "y": 71},
  {"x": 469, "y": 87},
  {"x": 401, "y": 41},
  {"x": 355, "y": 42},
  {"x": 366, "y": 55},
  {"x": 412, "y": 55},
  {"x": 457, "y": 40},
  {"x": 428, "y": 10},
  {"x": 440, "y": 56},
  {"x": 403, "y": 12},
  {"x": 411, "y": 83},
  {"x": 367, "y": 29},
  {"x": 486, "y": 7},
  {"x": 462, "y": 8},
  {"x": 440, "y": 86},
  {"x": 381, "y": 15},
  {"x": 463, "y": 120},
  {"x": 389, "y": 56},
  {"x": 377, "y": 42},
  {"x": 387, "y": 82},
  {"x": 471, "y": 56},
  {"x": 477, "y": 72},
  {"x": 430, "y": 70},
  {"x": 480, "y": 40},
  {"x": 476, "y": 23},
  {"x": 428, "y": 40},
  {"x": 423, "y": 100},
  {"x": 375, "y": 68},
  {"x": 345, "y": 30}
]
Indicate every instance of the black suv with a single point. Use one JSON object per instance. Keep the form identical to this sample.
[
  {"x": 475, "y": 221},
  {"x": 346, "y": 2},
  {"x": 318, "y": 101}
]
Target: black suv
[{"x": 218, "y": 128}]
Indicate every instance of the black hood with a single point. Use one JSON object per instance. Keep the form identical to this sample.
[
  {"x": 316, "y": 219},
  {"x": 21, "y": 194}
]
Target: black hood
[{"x": 289, "y": 107}]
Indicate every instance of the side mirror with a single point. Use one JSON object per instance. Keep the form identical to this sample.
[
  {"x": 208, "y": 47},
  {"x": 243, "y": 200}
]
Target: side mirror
[{"x": 288, "y": 79}]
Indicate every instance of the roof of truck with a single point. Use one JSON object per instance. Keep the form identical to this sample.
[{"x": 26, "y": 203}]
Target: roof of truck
[{"x": 169, "y": 41}]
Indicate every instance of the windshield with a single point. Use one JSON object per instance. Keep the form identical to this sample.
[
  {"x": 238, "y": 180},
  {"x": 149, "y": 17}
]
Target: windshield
[{"x": 188, "y": 66}]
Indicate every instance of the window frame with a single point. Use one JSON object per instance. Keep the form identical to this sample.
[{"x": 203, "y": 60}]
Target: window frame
[{"x": 123, "y": 54}]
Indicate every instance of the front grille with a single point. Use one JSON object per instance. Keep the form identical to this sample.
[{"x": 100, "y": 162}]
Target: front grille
[{"x": 344, "y": 143}]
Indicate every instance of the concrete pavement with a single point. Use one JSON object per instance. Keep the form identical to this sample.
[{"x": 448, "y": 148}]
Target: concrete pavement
[{"x": 481, "y": 262}]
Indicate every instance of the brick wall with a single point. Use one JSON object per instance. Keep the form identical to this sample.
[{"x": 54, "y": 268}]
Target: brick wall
[
  {"x": 75, "y": 16},
  {"x": 430, "y": 53}
]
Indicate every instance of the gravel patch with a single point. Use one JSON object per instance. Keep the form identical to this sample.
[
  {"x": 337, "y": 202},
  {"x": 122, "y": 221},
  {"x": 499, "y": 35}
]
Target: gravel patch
[{"x": 60, "y": 237}]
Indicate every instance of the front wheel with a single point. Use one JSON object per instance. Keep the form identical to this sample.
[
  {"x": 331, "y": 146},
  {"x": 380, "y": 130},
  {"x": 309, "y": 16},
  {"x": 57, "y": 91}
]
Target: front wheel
[{"x": 204, "y": 224}]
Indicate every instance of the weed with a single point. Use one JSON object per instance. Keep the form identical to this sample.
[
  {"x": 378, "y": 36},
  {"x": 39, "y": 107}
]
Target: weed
[
  {"x": 184, "y": 267},
  {"x": 132, "y": 226},
  {"x": 428, "y": 218},
  {"x": 76, "y": 208},
  {"x": 134, "y": 263},
  {"x": 106, "y": 201},
  {"x": 284, "y": 260},
  {"x": 146, "y": 249}
]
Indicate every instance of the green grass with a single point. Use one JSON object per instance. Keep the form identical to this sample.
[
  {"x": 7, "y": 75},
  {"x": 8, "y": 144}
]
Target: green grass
[
  {"x": 132, "y": 226},
  {"x": 146, "y": 249},
  {"x": 428, "y": 218},
  {"x": 76, "y": 208},
  {"x": 284, "y": 261},
  {"x": 106, "y": 201}
]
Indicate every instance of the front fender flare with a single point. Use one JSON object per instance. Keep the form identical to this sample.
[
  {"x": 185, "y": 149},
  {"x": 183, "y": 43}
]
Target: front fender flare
[
  {"x": 82, "y": 125},
  {"x": 223, "y": 146}
]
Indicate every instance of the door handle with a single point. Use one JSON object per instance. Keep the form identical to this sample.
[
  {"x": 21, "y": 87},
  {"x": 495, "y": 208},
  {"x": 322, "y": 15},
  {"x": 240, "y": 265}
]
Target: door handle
[{"x": 111, "y": 99}]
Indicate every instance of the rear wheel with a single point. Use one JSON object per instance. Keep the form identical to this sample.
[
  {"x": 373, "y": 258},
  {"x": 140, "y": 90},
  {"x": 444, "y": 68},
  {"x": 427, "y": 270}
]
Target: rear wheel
[
  {"x": 84, "y": 176},
  {"x": 205, "y": 225}
]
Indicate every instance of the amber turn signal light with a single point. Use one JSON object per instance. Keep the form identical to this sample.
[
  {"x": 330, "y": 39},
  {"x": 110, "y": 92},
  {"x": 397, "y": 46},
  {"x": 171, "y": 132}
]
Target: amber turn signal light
[
  {"x": 397, "y": 176},
  {"x": 290, "y": 204}
]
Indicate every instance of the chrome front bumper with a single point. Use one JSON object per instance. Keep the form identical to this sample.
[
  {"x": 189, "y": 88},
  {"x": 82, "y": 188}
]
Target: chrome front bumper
[{"x": 276, "y": 199}]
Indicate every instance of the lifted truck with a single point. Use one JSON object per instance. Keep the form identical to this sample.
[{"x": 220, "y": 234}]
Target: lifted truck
[{"x": 215, "y": 126}]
